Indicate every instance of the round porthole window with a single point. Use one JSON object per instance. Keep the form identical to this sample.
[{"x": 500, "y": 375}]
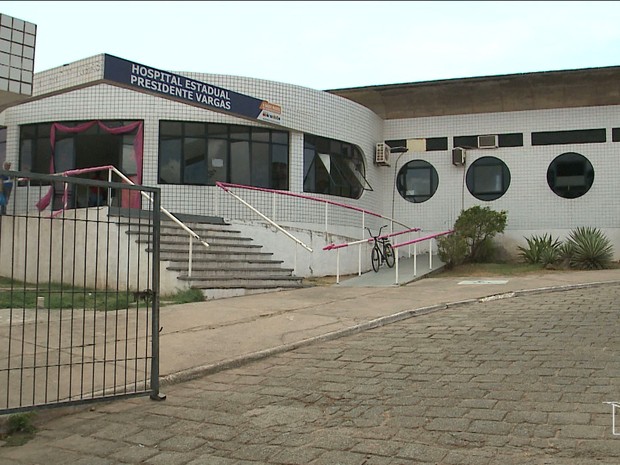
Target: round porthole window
[
  {"x": 417, "y": 181},
  {"x": 488, "y": 178},
  {"x": 570, "y": 175}
]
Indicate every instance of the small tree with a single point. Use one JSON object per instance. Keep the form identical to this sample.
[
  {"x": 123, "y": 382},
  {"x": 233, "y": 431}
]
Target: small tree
[{"x": 477, "y": 226}]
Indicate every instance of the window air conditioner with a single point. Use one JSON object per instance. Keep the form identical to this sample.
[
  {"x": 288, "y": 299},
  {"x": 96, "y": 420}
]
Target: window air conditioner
[
  {"x": 487, "y": 142},
  {"x": 458, "y": 156},
  {"x": 382, "y": 154}
]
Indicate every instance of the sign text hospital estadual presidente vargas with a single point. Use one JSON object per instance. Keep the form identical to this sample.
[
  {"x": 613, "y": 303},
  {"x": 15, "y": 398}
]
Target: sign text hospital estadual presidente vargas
[{"x": 189, "y": 90}]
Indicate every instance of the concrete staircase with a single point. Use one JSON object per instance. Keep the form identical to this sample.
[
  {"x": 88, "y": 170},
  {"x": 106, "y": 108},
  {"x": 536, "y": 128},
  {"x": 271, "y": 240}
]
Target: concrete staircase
[{"x": 231, "y": 266}]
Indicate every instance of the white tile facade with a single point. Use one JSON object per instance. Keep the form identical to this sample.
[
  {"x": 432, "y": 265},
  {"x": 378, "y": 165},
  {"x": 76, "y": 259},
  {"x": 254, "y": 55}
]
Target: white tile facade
[
  {"x": 77, "y": 93},
  {"x": 17, "y": 47}
]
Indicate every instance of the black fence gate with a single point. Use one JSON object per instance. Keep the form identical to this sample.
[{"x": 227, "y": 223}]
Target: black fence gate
[{"x": 79, "y": 293}]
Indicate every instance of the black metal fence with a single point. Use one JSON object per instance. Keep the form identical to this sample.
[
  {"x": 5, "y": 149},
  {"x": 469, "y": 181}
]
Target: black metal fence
[{"x": 79, "y": 308}]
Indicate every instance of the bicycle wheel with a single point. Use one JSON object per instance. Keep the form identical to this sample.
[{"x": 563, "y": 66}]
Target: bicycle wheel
[
  {"x": 375, "y": 258},
  {"x": 388, "y": 250}
]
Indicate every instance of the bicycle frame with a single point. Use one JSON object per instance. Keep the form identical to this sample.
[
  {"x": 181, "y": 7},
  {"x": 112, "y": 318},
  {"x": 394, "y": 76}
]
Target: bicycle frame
[{"x": 382, "y": 251}]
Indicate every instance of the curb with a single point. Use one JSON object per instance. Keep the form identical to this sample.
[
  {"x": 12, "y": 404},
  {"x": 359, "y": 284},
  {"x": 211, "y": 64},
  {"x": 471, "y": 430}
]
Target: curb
[{"x": 197, "y": 372}]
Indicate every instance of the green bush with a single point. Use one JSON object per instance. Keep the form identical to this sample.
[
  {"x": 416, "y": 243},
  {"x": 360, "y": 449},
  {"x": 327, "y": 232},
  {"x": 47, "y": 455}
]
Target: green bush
[
  {"x": 476, "y": 226},
  {"x": 588, "y": 249},
  {"x": 452, "y": 250},
  {"x": 541, "y": 249},
  {"x": 20, "y": 423}
]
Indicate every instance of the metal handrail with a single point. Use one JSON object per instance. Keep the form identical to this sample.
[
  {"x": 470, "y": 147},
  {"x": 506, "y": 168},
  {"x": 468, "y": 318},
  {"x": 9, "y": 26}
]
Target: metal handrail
[
  {"x": 112, "y": 168},
  {"x": 225, "y": 185},
  {"x": 271, "y": 222},
  {"x": 430, "y": 238},
  {"x": 337, "y": 248}
]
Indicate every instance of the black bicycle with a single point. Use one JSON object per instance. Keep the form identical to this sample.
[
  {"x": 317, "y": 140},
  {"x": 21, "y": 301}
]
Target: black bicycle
[{"x": 382, "y": 251}]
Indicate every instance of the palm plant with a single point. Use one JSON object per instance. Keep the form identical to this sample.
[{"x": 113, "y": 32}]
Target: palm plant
[
  {"x": 588, "y": 248},
  {"x": 541, "y": 249}
]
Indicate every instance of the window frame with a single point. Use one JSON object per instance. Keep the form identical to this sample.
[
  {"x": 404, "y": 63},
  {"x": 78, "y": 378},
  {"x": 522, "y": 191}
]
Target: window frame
[
  {"x": 417, "y": 165},
  {"x": 484, "y": 162}
]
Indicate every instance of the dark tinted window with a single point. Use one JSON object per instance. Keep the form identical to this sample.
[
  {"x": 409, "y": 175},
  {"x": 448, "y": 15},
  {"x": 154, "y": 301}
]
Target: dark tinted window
[
  {"x": 570, "y": 175},
  {"x": 436, "y": 143},
  {"x": 488, "y": 178},
  {"x": 511, "y": 140},
  {"x": 582, "y": 136},
  {"x": 417, "y": 181},
  {"x": 203, "y": 153},
  {"x": 333, "y": 167},
  {"x": 465, "y": 141}
]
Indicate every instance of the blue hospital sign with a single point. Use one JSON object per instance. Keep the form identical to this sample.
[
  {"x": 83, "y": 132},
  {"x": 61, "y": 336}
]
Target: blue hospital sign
[{"x": 189, "y": 90}]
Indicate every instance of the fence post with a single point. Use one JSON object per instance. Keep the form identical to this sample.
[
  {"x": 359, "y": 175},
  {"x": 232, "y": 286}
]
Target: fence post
[
  {"x": 396, "y": 253},
  {"x": 338, "y": 266},
  {"x": 430, "y": 254},
  {"x": 155, "y": 394},
  {"x": 191, "y": 253},
  {"x": 326, "y": 215},
  {"x": 359, "y": 258},
  {"x": 415, "y": 259}
]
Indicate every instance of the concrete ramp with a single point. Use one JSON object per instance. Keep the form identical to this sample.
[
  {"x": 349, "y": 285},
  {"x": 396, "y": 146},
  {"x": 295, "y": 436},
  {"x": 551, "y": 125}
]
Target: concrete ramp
[{"x": 409, "y": 270}]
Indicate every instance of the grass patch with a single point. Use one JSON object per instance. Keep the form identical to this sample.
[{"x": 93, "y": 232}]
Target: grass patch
[
  {"x": 19, "y": 429},
  {"x": 184, "y": 297},
  {"x": 16, "y": 294},
  {"x": 56, "y": 296}
]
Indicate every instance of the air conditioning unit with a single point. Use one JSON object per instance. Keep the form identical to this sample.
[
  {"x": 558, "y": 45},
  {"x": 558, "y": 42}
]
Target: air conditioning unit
[
  {"x": 382, "y": 154},
  {"x": 458, "y": 156},
  {"x": 487, "y": 142}
]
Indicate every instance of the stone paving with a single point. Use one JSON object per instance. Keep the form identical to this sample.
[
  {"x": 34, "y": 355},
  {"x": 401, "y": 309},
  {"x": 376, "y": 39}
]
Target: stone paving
[{"x": 519, "y": 380}]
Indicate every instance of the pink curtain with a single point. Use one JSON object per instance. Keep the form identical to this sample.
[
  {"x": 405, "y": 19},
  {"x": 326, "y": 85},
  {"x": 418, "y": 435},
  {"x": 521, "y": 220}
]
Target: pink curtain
[{"x": 129, "y": 199}]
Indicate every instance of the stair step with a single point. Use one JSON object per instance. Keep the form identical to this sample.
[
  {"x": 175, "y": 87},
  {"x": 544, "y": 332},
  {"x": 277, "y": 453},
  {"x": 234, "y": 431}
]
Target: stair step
[
  {"x": 215, "y": 267},
  {"x": 243, "y": 283},
  {"x": 232, "y": 264},
  {"x": 247, "y": 273},
  {"x": 184, "y": 237}
]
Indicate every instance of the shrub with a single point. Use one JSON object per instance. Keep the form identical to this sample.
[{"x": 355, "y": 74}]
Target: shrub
[
  {"x": 541, "y": 249},
  {"x": 588, "y": 249},
  {"x": 20, "y": 423},
  {"x": 477, "y": 226},
  {"x": 452, "y": 250}
]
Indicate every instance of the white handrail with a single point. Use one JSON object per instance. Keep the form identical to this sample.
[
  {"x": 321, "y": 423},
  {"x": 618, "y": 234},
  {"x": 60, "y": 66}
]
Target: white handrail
[
  {"x": 337, "y": 247},
  {"x": 431, "y": 239},
  {"x": 275, "y": 225},
  {"x": 173, "y": 218},
  {"x": 179, "y": 223}
]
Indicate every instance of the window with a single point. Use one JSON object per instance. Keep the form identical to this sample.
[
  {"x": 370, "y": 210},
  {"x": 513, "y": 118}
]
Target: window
[
  {"x": 570, "y": 175},
  {"x": 488, "y": 178},
  {"x": 92, "y": 147},
  {"x": 504, "y": 140},
  {"x": 429, "y": 144},
  {"x": 583, "y": 136},
  {"x": 436, "y": 143},
  {"x": 35, "y": 151},
  {"x": 204, "y": 153},
  {"x": 333, "y": 167},
  {"x": 417, "y": 181}
]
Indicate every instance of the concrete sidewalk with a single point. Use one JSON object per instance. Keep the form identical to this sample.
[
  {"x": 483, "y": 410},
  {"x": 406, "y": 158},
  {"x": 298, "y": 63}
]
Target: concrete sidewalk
[{"x": 206, "y": 337}]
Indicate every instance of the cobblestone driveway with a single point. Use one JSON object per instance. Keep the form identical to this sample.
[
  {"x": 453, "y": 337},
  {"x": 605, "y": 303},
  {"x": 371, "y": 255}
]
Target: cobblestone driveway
[{"x": 510, "y": 381}]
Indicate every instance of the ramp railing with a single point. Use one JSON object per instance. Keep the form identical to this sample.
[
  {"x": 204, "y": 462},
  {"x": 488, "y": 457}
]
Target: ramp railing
[
  {"x": 299, "y": 209},
  {"x": 431, "y": 238}
]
